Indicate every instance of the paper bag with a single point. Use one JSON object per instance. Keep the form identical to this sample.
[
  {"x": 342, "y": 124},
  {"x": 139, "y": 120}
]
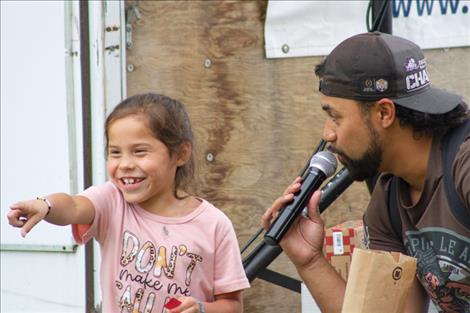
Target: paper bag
[{"x": 378, "y": 281}]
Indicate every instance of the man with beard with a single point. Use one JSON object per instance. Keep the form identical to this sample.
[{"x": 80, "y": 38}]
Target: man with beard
[{"x": 383, "y": 116}]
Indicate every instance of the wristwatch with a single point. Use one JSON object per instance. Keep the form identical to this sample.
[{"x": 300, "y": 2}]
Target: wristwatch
[{"x": 201, "y": 306}]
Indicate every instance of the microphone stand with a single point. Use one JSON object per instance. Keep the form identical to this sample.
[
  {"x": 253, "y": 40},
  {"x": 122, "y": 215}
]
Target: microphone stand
[{"x": 256, "y": 262}]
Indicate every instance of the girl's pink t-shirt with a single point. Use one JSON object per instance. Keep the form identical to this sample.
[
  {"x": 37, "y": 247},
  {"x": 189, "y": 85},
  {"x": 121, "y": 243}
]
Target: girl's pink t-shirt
[{"x": 146, "y": 259}]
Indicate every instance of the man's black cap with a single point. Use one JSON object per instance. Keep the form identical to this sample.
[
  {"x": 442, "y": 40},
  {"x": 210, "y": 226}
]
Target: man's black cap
[{"x": 371, "y": 66}]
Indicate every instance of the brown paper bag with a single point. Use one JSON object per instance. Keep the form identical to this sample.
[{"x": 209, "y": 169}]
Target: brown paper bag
[{"x": 378, "y": 281}]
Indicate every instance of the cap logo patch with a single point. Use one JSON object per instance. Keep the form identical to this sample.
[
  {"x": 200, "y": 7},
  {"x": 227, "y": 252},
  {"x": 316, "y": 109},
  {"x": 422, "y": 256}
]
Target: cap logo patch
[
  {"x": 374, "y": 85},
  {"x": 417, "y": 80},
  {"x": 411, "y": 65},
  {"x": 368, "y": 85},
  {"x": 381, "y": 85}
]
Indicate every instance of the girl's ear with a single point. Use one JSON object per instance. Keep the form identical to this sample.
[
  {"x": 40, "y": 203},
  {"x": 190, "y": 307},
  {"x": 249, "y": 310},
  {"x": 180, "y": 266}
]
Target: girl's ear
[
  {"x": 184, "y": 153},
  {"x": 386, "y": 112}
]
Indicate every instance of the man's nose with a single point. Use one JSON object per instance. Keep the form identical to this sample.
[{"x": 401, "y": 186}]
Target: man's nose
[{"x": 329, "y": 133}]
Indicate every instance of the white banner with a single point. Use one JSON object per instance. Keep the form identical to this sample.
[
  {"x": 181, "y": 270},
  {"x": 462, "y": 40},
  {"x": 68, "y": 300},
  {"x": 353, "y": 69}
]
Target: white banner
[{"x": 311, "y": 28}]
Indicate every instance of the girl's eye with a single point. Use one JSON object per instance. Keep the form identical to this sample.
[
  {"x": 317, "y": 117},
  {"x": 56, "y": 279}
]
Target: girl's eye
[
  {"x": 113, "y": 153},
  {"x": 140, "y": 151}
]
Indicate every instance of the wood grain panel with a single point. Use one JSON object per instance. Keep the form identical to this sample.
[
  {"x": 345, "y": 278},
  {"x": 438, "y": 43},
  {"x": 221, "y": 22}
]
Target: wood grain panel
[{"x": 259, "y": 118}]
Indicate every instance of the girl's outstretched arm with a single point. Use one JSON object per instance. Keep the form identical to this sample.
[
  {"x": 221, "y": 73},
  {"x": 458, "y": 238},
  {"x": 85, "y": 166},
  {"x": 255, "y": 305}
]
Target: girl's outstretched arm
[{"x": 58, "y": 209}]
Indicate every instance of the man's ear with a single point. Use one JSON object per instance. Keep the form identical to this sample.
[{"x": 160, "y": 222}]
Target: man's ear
[
  {"x": 386, "y": 112},
  {"x": 184, "y": 153}
]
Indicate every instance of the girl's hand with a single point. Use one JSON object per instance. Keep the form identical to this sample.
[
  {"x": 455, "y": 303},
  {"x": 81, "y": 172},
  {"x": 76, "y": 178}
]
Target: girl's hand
[
  {"x": 26, "y": 214},
  {"x": 188, "y": 305},
  {"x": 303, "y": 242}
]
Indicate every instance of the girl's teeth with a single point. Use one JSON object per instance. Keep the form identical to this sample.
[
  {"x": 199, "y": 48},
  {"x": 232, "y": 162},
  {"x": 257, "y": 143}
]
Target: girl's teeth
[
  {"x": 128, "y": 181},
  {"x": 131, "y": 180}
]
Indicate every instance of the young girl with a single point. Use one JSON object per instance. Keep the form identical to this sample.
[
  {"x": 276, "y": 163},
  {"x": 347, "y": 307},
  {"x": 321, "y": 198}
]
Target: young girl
[{"x": 157, "y": 241}]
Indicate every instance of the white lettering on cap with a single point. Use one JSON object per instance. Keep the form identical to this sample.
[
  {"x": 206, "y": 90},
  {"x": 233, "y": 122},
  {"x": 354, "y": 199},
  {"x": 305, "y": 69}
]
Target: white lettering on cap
[{"x": 417, "y": 80}]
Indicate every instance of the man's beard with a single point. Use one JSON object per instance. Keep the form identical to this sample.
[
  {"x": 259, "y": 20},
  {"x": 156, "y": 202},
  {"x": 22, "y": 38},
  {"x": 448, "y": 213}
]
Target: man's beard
[{"x": 367, "y": 166}]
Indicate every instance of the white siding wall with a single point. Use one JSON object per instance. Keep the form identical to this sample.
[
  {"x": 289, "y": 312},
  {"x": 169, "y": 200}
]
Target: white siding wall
[{"x": 40, "y": 154}]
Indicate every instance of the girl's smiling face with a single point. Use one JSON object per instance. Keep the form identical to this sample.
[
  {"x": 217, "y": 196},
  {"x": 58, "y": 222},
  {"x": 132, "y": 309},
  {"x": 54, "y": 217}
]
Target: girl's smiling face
[{"x": 139, "y": 164}]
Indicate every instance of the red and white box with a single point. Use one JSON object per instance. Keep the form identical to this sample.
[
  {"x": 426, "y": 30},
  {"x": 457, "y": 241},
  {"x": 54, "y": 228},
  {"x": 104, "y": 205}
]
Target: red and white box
[{"x": 340, "y": 241}]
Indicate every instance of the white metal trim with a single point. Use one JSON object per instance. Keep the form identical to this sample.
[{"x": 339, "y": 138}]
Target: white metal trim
[{"x": 108, "y": 88}]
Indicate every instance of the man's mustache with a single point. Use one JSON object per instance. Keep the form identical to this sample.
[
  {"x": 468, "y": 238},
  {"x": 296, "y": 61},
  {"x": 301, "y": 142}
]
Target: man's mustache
[
  {"x": 345, "y": 159},
  {"x": 337, "y": 151}
]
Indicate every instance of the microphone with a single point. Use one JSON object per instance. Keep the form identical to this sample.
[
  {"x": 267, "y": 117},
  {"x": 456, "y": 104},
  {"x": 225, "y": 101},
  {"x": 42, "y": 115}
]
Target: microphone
[
  {"x": 322, "y": 165},
  {"x": 265, "y": 254}
]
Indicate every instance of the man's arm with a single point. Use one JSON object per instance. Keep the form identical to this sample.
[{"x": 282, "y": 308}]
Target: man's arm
[
  {"x": 325, "y": 285},
  {"x": 303, "y": 245}
]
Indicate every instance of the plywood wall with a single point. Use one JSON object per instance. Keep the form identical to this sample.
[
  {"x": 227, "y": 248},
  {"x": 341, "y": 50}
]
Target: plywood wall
[{"x": 256, "y": 120}]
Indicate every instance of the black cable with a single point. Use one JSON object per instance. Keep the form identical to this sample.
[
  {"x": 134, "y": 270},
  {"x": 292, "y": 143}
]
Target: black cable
[
  {"x": 250, "y": 241},
  {"x": 368, "y": 18},
  {"x": 378, "y": 22},
  {"x": 380, "y": 19}
]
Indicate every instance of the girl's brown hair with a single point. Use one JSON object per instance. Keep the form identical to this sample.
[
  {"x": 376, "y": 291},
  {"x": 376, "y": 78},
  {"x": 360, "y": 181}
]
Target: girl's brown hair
[{"x": 169, "y": 123}]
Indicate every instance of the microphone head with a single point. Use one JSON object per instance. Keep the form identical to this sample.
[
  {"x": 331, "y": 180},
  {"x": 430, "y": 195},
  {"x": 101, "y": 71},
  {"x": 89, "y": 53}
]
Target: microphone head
[{"x": 325, "y": 161}]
